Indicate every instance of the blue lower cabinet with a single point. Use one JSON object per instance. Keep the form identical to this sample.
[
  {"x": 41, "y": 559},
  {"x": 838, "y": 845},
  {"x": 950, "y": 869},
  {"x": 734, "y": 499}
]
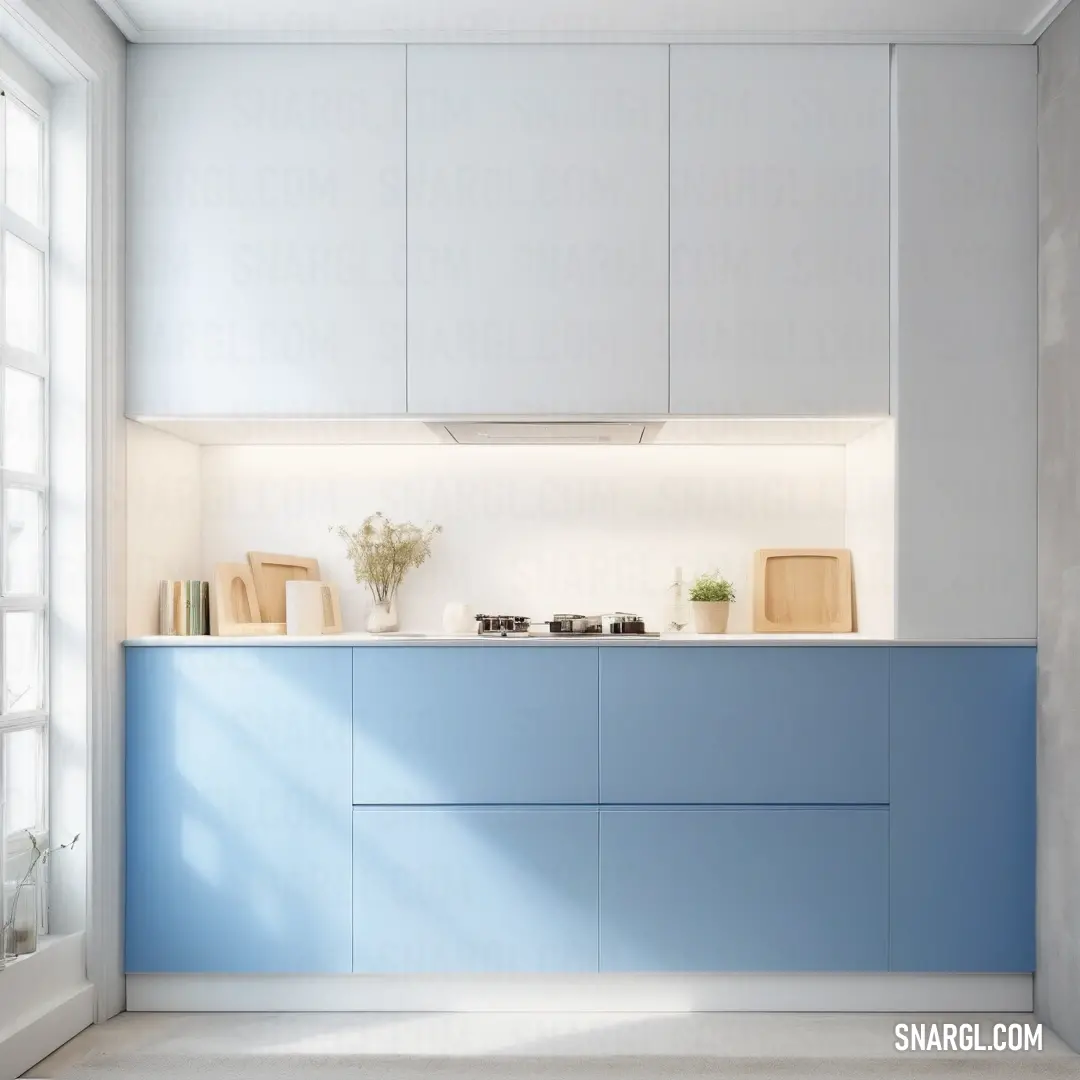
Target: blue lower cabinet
[
  {"x": 826, "y": 809},
  {"x": 238, "y": 816},
  {"x": 475, "y": 890},
  {"x": 464, "y": 725},
  {"x": 962, "y": 761},
  {"x": 801, "y": 889},
  {"x": 768, "y": 724}
]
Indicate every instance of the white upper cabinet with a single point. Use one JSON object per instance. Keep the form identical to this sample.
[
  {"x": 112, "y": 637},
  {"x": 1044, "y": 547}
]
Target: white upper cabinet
[
  {"x": 780, "y": 230},
  {"x": 266, "y": 230},
  {"x": 538, "y": 229}
]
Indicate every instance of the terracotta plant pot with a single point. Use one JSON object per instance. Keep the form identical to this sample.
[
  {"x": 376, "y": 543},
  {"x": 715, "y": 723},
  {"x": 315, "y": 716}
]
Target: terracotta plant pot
[{"x": 710, "y": 617}]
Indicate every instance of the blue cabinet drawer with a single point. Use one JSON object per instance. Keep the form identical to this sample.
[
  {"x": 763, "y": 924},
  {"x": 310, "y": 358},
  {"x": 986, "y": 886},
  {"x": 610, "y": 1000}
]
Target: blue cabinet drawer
[
  {"x": 744, "y": 889},
  {"x": 239, "y": 822},
  {"x": 475, "y": 890},
  {"x": 467, "y": 725},
  {"x": 962, "y": 845},
  {"x": 783, "y": 724}
]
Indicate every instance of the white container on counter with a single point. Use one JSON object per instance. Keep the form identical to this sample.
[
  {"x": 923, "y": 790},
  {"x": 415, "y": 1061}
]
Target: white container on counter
[
  {"x": 311, "y": 607},
  {"x": 459, "y": 618}
]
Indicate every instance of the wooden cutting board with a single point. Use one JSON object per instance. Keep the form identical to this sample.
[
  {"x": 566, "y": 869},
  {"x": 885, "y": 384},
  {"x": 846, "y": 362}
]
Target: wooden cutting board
[
  {"x": 803, "y": 591},
  {"x": 270, "y": 572}
]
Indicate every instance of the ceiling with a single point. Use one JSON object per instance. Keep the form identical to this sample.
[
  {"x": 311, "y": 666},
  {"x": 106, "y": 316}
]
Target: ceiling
[{"x": 986, "y": 21}]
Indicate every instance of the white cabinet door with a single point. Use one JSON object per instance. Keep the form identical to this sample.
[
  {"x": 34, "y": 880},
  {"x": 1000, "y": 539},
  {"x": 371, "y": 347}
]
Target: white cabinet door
[
  {"x": 780, "y": 230},
  {"x": 266, "y": 230},
  {"x": 967, "y": 341},
  {"x": 537, "y": 201}
]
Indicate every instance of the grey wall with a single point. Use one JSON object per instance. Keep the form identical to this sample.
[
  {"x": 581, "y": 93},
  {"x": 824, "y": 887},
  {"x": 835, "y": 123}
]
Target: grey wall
[{"x": 1057, "y": 986}]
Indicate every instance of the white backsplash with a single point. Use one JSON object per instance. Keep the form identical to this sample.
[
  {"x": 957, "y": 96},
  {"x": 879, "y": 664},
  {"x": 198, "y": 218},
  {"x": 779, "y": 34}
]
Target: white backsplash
[
  {"x": 164, "y": 519},
  {"x": 529, "y": 530}
]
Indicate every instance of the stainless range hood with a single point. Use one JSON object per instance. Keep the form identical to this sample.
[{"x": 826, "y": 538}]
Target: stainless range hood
[{"x": 550, "y": 432}]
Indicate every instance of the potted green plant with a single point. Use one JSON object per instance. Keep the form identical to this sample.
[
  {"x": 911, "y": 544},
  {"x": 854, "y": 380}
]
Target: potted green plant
[
  {"x": 710, "y": 598},
  {"x": 381, "y": 552}
]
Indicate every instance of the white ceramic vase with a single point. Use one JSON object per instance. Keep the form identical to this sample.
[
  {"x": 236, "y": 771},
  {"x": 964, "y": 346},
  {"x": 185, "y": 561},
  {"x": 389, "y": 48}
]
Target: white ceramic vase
[
  {"x": 710, "y": 617},
  {"x": 382, "y": 619}
]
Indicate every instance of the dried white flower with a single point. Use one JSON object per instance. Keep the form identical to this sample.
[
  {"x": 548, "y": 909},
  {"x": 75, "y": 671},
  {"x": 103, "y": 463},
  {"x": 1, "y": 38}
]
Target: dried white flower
[{"x": 381, "y": 552}]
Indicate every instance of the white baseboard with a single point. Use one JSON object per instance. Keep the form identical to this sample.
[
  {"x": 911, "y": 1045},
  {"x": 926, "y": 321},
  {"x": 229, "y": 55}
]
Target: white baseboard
[
  {"x": 45, "y": 999},
  {"x": 586, "y": 993}
]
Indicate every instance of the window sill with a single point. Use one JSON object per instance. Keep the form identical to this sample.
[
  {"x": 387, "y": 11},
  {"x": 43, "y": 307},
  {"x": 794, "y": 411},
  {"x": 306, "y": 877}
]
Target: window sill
[
  {"x": 58, "y": 964},
  {"x": 47, "y": 944}
]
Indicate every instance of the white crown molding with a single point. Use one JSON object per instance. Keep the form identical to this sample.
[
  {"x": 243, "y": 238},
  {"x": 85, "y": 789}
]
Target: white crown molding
[
  {"x": 124, "y": 22},
  {"x": 494, "y": 37},
  {"x": 134, "y": 33},
  {"x": 1042, "y": 23}
]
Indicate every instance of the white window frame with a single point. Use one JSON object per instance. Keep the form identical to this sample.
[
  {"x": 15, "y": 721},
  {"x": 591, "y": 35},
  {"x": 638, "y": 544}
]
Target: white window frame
[{"x": 15, "y": 845}]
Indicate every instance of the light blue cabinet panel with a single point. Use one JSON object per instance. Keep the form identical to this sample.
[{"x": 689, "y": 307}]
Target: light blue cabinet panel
[
  {"x": 744, "y": 889},
  {"x": 962, "y": 843},
  {"x": 472, "y": 725},
  {"x": 238, "y": 811},
  {"x": 475, "y": 890},
  {"x": 755, "y": 725}
]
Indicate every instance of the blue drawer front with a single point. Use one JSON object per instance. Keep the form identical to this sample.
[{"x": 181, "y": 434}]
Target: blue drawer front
[
  {"x": 475, "y": 890},
  {"x": 239, "y": 852},
  {"x": 744, "y": 890},
  {"x": 963, "y": 809},
  {"x": 442, "y": 725},
  {"x": 777, "y": 724}
]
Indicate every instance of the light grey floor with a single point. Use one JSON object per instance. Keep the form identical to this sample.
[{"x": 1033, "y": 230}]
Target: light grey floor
[{"x": 523, "y": 1046}]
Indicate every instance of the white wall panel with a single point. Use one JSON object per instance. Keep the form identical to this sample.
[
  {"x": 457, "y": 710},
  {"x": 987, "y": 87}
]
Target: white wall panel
[
  {"x": 870, "y": 528},
  {"x": 966, "y": 185}
]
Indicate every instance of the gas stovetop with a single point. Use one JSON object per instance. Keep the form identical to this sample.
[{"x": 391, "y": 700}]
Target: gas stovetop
[
  {"x": 621, "y": 622},
  {"x": 502, "y": 625}
]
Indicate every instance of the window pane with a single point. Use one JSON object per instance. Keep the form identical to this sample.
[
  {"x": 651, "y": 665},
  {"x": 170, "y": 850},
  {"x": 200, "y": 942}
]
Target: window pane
[
  {"x": 24, "y": 164},
  {"x": 24, "y": 772},
  {"x": 24, "y": 289},
  {"x": 22, "y": 661},
  {"x": 24, "y": 542},
  {"x": 24, "y": 421}
]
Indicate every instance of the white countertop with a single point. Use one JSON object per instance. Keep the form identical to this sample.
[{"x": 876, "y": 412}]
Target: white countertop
[{"x": 474, "y": 640}]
